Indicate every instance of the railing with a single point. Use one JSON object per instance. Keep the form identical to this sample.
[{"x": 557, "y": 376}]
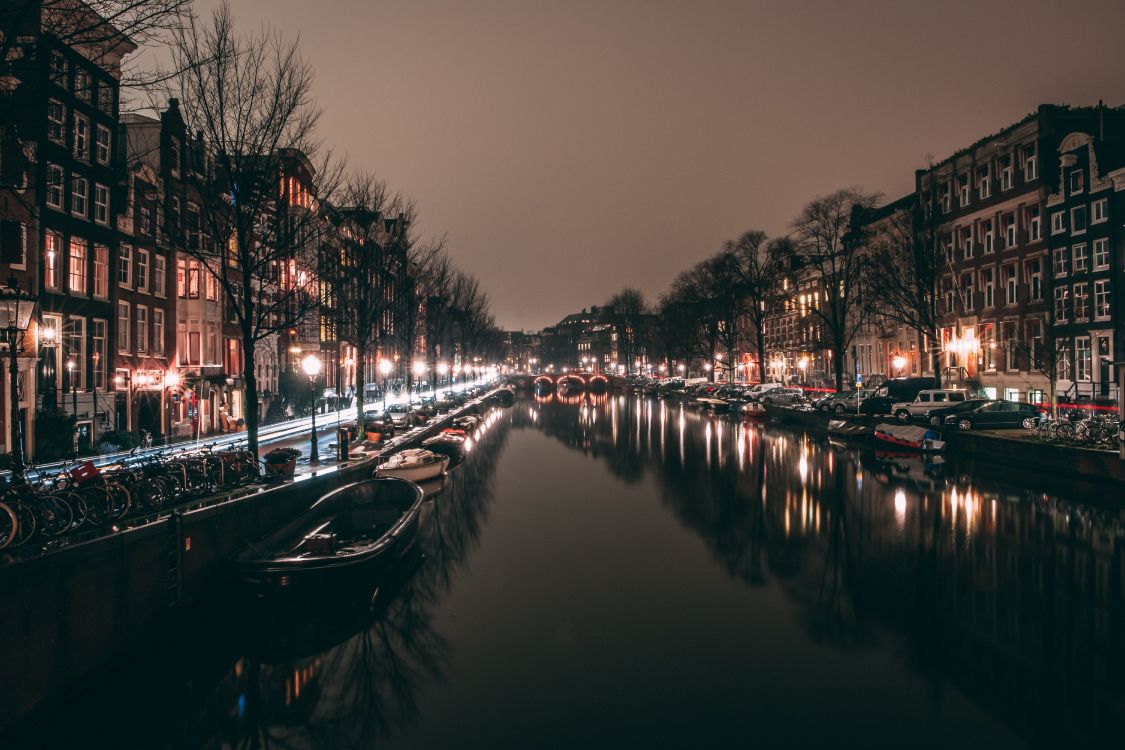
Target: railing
[{"x": 1089, "y": 390}]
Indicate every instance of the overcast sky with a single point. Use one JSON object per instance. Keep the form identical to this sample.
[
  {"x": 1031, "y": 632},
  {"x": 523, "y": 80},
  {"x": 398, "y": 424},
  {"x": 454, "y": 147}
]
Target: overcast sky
[{"x": 569, "y": 148}]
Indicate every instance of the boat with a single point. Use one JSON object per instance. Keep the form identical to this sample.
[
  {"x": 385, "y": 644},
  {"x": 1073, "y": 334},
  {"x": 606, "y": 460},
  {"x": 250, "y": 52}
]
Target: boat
[
  {"x": 909, "y": 436},
  {"x": 467, "y": 422},
  {"x": 343, "y": 539},
  {"x": 505, "y": 397},
  {"x": 800, "y": 415},
  {"x": 752, "y": 410},
  {"x": 413, "y": 464},
  {"x": 850, "y": 430},
  {"x": 714, "y": 405},
  {"x": 447, "y": 443}
]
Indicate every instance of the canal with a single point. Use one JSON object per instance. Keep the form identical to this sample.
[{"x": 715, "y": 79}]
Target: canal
[{"x": 613, "y": 571}]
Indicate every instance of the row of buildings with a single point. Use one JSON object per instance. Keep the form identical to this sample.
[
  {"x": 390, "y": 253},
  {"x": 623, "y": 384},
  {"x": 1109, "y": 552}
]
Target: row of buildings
[
  {"x": 100, "y": 218},
  {"x": 1028, "y": 224}
]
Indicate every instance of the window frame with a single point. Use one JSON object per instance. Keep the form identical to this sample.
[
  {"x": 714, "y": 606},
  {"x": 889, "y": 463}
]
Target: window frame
[
  {"x": 1103, "y": 252},
  {"x": 1099, "y": 211},
  {"x": 1075, "y": 212},
  {"x": 100, "y": 147},
  {"x": 101, "y": 280},
  {"x": 124, "y": 332},
  {"x": 56, "y": 129},
  {"x": 54, "y": 186},
  {"x": 82, "y": 195},
  {"x": 100, "y": 207},
  {"x": 78, "y": 266}
]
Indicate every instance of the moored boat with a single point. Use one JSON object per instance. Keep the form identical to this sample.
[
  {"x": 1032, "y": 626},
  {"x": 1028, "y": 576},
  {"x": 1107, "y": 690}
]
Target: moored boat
[
  {"x": 447, "y": 443},
  {"x": 912, "y": 437},
  {"x": 413, "y": 464},
  {"x": 342, "y": 539},
  {"x": 752, "y": 410},
  {"x": 850, "y": 430}
]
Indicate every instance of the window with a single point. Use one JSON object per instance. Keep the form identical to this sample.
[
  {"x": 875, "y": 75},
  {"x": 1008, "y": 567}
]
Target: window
[
  {"x": 101, "y": 204},
  {"x": 1076, "y": 181},
  {"x": 1011, "y": 344},
  {"x": 1034, "y": 224},
  {"x": 102, "y": 144},
  {"x": 101, "y": 271},
  {"x": 57, "y": 69},
  {"x": 55, "y": 178},
  {"x": 211, "y": 354},
  {"x": 174, "y": 219},
  {"x": 967, "y": 242},
  {"x": 1078, "y": 264},
  {"x": 83, "y": 85},
  {"x": 1008, "y": 221},
  {"x": 125, "y": 266},
  {"x": 1101, "y": 299},
  {"x": 1035, "y": 279},
  {"x": 77, "y": 266},
  {"x": 181, "y": 279},
  {"x": 1078, "y": 219},
  {"x": 157, "y": 331},
  {"x": 984, "y": 179},
  {"x": 51, "y": 270},
  {"x": 1100, "y": 211},
  {"x": 142, "y": 329},
  {"x": 123, "y": 327},
  {"x": 1060, "y": 262},
  {"x": 948, "y": 293},
  {"x": 986, "y": 242},
  {"x": 81, "y": 144},
  {"x": 159, "y": 275},
  {"x": 193, "y": 226},
  {"x": 1011, "y": 284},
  {"x": 74, "y": 352},
  {"x": 212, "y": 287},
  {"x": 193, "y": 280},
  {"x": 1030, "y": 163},
  {"x": 988, "y": 286},
  {"x": 79, "y": 196},
  {"x": 181, "y": 343},
  {"x": 1062, "y": 295},
  {"x": 1082, "y": 358},
  {"x": 1101, "y": 254},
  {"x": 140, "y": 271},
  {"x": 963, "y": 189},
  {"x": 1006, "y": 173},
  {"x": 13, "y": 243},
  {"x": 1081, "y": 302},
  {"x": 98, "y": 332},
  {"x": 56, "y": 121},
  {"x": 967, "y": 290},
  {"x": 1058, "y": 222},
  {"x": 174, "y": 155},
  {"x": 105, "y": 99}
]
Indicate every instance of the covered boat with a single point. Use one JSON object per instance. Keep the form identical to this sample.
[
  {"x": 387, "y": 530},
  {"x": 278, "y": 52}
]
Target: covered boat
[
  {"x": 413, "y": 464},
  {"x": 752, "y": 410},
  {"x": 712, "y": 404},
  {"x": 909, "y": 436},
  {"x": 850, "y": 430},
  {"x": 447, "y": 443},
  {"x": 343, "y": 539}
]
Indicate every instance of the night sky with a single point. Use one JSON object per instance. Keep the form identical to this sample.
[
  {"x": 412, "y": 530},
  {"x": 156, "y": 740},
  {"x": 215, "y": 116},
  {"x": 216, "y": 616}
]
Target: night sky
[{"x": 570, "y": 148}]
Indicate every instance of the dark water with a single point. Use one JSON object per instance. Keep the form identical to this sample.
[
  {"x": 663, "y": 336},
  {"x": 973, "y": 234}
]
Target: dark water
[{"x": 617, "y": 572}]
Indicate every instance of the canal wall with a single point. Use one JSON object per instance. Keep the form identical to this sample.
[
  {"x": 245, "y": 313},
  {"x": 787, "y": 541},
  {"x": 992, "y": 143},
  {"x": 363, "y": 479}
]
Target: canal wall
[
  {"x": 1061, "y": 460},
  {"x": 67, "y": 612}
]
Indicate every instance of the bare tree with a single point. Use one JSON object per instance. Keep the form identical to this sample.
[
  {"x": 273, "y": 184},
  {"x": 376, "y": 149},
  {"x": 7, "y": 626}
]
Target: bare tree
[
  {"x": 368, "y": 234},
  {"x": 1046, "y": 349},
  {"x": 826, "y": 251},
  {"x": 904, "y": 271},
  {"x": 628, "y": 312},
  {"x": 759, "y": 265},
  {"x": 261, "y": 193}
]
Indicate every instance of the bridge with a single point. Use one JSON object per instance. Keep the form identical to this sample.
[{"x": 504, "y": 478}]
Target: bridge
[{"x": 593, "y": 381}]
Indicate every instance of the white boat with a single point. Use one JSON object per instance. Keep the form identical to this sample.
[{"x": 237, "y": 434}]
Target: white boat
[{"x": 413, "y": 464}]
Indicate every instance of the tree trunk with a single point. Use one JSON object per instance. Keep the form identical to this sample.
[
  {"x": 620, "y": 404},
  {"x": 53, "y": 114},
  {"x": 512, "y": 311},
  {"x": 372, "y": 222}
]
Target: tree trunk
[
  {"x": 838, "y": 366},
  {"x": 361, "y": 386},
  {"x": 761, "y": 355},
  {"x": 935, "y": 356},
  {"x": 249, "y": 373},
  {"x": 1054, "y": 398}
]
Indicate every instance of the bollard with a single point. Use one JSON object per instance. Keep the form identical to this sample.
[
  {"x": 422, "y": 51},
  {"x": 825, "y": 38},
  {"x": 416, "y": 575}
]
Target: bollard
[{"x": 343, "y": 435}]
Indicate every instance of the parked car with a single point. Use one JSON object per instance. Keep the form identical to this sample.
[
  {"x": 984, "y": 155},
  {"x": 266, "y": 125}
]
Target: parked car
[
  {"x": 842, "y": 402},
  {"x": 925, "y": 401},
  {"x": 782, "y": 395},
  {"x": 937, "y": 417},
  {"x": 757, "y": 391},
  {"x": 893, "y": 391},
  {"x": 993, "y": 415},
  {"x": 402, "y": 415}
]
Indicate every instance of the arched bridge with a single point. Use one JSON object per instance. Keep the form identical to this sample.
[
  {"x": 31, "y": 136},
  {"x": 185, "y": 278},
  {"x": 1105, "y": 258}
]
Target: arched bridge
[{"x": 577, "y": 380}]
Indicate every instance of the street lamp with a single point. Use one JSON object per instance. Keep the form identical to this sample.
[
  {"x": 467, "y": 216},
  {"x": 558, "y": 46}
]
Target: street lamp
[
  {"x": 311, "y": 366},
  {"x": 171, "y": 382},
  {"x": 16, "y": 309},
  {"x": 899, "y": 363},
  {"x": 680, "y": 368},
  {"x": 385, "y": 368}
]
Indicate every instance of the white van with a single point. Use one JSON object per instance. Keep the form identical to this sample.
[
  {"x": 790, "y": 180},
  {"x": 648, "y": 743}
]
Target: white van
[{"x": 936, "y": 398}]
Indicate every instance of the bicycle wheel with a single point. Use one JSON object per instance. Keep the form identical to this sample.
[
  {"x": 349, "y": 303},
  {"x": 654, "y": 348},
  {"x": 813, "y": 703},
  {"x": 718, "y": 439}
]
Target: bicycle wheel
[
  {"x": 119, "y": 502},
  {"x": 55, "y": 513},
  {"x": 147, "y": 494},
  {"x": 9, "y": 525},
  {"x": 1063, "y": 431},
  {"x": 96, "y": 504},
  {"x": 26, "y": 522}
]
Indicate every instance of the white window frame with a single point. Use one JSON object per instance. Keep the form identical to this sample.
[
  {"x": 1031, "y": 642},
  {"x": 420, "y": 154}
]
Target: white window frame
[
  {"x": 124, "y": 334},
  {"x": 1010, "y": 236},
  {"x": 101, "y": 364},
  {"x": 158, "y": 331},
  {"x": 56, "y": 127},
  {"x": 1058, "y": 222},
  {"x": 142, "y": 329},
  {"x": 56, "y": 186},
  {"x": 81, "y": 143},
  {"x": 1100, "y": 253},
  {"x": 77, "y": 267},
  {"x": 82, "y": 196},
  {"x": 1079, "y": 258},
  {"x": 1099, "y": 211},
  {"x": 1030, "y": 165},
  {"x": 52, "y": 260},
  {"x": 1074, "y": 212},
  {"x": 984, "y": 182},
  {"x": 1011, "y": 274},
  {"x": 1035, "y": 281},
  {"x": 1102, "y": 300},
  {"x": 125, "y": 262},
  {"x": 102, "y": 148},
  {"x": 1062, "y": 297},
  {"x": 988, "y": 287},
  {"x": 78, "y": 353},
  {"x": 1060, "y": 264},
  {"x": 159, "y": 275},
  {"x": 101, "y": 271},
  {"x": 1083, "y": 369},
  {"x": 988, "y": 237},
  {"x": 141, "y": 265},
  {"x": 101, "y": 208},
  {"x": 1080, "y": 301},
  {"x": 1034, "y": 224},
  {"x": 1006, "y": 178},
  {"x": 1070, "y": 182}
]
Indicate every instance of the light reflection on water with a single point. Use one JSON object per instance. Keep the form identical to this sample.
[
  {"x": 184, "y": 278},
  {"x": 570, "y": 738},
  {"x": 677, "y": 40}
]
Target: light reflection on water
[{"x": 919, "y": 588}]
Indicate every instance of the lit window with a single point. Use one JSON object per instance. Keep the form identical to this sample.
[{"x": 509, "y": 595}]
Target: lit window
[{"x": 77, "y": 266}]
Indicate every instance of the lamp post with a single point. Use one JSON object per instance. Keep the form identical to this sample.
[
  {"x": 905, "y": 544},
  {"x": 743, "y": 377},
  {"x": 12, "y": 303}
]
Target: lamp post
[
  {"x": 73, "y": 389},
  {"x": 385, "y": 369},
  {"x": 171, "y": 382},
  {"x": 899, "y": 363},
  {"x": 419, "y": 370},
  {"x": 443, "y": 371},
  {"x": 95, "y": 358},
  {"x": 16, "y": 309},
  {"x": 311, "y": 366}
]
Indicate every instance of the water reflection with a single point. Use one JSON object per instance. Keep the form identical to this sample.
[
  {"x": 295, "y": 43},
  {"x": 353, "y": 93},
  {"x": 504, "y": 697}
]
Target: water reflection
[{"x": 974, "y": 578}]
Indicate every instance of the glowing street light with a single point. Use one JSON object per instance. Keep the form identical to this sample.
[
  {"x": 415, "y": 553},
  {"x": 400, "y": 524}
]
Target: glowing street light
[
  {"x": 899, "y": 363},
  {"x": 311, "y": 366}
]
